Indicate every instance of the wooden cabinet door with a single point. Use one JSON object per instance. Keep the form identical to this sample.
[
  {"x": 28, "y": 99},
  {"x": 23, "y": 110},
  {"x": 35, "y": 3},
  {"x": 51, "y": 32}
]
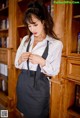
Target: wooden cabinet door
[
  {"x": 57, "y": 92},
  {"x": 73, "y": 69}
]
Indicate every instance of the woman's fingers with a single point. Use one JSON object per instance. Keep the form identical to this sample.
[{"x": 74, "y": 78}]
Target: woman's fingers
[{"x": 25, "y": 56}]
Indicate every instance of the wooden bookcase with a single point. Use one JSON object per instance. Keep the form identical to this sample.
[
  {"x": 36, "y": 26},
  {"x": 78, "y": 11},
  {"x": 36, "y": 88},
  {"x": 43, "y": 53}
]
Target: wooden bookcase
[
  {"x": 14, "y": 11},
  {"x": 67, "y": 27},
  {"x": 73, "y": 60},
  {"x": 4, "y": 51}
]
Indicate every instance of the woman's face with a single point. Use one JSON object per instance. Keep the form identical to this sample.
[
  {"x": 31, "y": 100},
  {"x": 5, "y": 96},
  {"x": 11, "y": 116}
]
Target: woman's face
[{"x": 37, "y": 28}]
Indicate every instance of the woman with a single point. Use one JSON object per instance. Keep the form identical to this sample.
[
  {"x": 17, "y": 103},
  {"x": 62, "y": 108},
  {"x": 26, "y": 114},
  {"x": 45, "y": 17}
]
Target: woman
[{"x": 39, "y": 57}]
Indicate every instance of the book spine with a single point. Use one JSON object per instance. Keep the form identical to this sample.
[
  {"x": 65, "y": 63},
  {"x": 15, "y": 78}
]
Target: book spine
[
  {"x": 0, "y": 42},
  {"x": 4, "y": 42},
  {"x": 3, "y": 69},
  {"x": 78, "y": 48},
  {"x": 77, "y": 96}
]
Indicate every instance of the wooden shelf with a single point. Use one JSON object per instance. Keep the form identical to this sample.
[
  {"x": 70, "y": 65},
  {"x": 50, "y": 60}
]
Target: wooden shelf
[
  {"x": 7, "y": 97},
  {"x": 74, "y": 112},
  {"x": 21, "y": 26},
  {"x": 3, "y": 30},
  {"x": 73, "y": 80},
  {"x": 3, "y": 99},
  {"x": 77, "y": 16},
  {"x": 5, "y": 49},
  {"x": 20, "y": 0},
  {"x": 74, "y": 55},
  {"x": 3, "y": 77},
  {"x": 4, "y": 9}
]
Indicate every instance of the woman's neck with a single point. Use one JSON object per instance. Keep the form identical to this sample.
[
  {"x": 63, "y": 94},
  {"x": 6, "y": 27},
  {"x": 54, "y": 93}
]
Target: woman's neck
[{"x": 40, "y": 37}]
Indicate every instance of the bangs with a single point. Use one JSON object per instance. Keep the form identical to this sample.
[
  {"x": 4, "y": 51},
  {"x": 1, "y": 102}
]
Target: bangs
[
  {"x": 32, "y": 12},
  {"x": 30, "y": 19}
]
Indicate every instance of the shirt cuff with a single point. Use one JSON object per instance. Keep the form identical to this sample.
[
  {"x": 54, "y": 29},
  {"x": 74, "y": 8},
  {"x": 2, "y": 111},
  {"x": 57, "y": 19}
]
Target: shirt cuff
[
  {"x": 46, "y": 68},
  {"x": 18, "y": 66},
  {"x": 49, "y": 70}
]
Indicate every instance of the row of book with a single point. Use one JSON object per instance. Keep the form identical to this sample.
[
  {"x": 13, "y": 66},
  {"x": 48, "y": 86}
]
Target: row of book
[
  {"x": 48, "y": 5},
  {"x": 77, "y": 96},
  {"x": 4, "y": 42},
  {"x": 78, "y": 45},
  {"x": 4, "y": 24},
  {"x": 3, "y": 3},
  {"x": 76, "y": 105},
  {"x": 3, "y": 69},
  {"x": 4, "y": 86}
]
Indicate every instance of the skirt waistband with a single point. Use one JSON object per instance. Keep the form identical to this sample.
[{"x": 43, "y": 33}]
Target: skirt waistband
[{"x": 32, "y": 73}]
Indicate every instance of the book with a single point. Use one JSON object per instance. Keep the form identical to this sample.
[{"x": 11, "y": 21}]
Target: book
[
  {"x": 5, "y": 42},
  {"x": 4, "y": 23},
  {"x": 77, "y": 96},
  {"x": 0, "y": 42},
  {"x": 78, "y": 47},
  {"x": 3, "y": 69}
]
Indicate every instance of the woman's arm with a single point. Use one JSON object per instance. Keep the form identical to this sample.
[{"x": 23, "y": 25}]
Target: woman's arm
[
  {"x": 19, "y": 57},
  {"x": 52, "y": 64}
]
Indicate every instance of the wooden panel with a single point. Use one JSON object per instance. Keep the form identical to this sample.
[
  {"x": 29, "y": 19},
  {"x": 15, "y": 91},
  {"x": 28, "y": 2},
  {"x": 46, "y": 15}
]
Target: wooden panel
[
  {"x": 73, "y": 114},
  {"x": 68, "y": 96},
  {"x": 3, "y": 99},
  {"x": 13, "y": 57},
  {"x": 59, "y": 27},
  {"x": 62, "y": 73},
  {"x": 73, "y": 69},
  {"x": 3, "y": 56},
  {"x": 12, "y": 23},
  {"x": 57, "y": 92}
]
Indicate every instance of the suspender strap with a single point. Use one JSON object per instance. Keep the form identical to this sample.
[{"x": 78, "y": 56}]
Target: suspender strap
[
  {"x": 45, "y": 54},
  {"x": 38, "y": 71},
  {"x": 27, "y": 49}
]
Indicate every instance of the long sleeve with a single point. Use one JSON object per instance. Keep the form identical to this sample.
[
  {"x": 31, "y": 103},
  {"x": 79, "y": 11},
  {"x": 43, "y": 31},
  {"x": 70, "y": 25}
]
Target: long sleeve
[
  {"x": 52, "y": 66},
  {"x": 19, "y": 52}
]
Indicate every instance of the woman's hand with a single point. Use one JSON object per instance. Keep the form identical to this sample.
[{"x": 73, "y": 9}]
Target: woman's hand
[
  {"x": 36, "y": 59},
  {"x": 24, "y": 57}
]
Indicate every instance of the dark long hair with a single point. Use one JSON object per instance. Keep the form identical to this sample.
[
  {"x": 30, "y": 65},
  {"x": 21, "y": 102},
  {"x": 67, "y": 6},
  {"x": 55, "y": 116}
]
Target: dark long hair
[{"x": 39, "y": 10}]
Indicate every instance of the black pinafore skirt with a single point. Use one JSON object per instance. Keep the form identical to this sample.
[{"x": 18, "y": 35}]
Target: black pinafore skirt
[{"x": 33, "y": 92}]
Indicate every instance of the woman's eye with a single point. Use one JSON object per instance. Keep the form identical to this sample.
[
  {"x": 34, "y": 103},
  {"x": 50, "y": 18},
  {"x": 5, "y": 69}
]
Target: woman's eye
[
  {"x": 29, "y": 26},
  {"x": 35, "y": 24}
]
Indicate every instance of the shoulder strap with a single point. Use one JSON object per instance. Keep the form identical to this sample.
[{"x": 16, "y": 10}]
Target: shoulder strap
[
  {"x": 27, "y": 49},
  {"x": 38, "y": 71}
]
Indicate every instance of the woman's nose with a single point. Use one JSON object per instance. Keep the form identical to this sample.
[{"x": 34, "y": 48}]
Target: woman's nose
[{"x": 32, "y": 29}]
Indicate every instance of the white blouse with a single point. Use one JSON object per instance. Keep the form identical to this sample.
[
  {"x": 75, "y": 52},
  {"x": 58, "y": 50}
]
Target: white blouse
[{"x": 53, "y": 59}]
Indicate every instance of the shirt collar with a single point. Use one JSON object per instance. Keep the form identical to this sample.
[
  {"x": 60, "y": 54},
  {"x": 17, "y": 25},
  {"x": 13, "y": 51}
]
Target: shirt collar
[
  {"x": 32, "y": 38},
  {"x": 48, "y": 38}
]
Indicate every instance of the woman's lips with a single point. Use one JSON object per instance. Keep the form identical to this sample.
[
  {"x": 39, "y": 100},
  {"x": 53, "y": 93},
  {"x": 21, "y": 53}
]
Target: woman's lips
[{"x": 35, "y": 33}]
